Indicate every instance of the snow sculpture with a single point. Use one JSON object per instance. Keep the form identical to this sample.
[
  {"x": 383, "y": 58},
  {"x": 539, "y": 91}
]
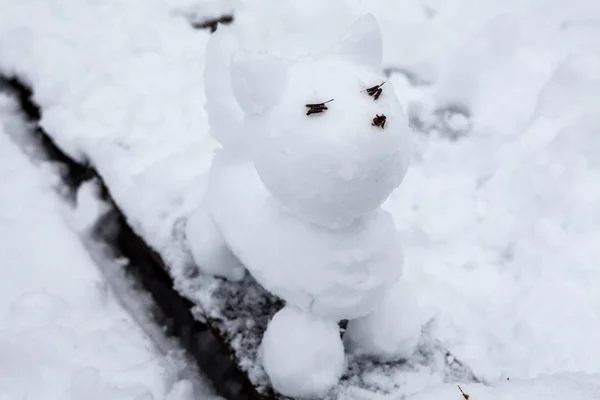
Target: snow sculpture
[{"x": 295, "y": 196}]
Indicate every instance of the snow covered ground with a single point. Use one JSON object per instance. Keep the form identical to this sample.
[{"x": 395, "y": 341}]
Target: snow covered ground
[
  {"x": 63, "y": 331},
  {"x": 501, "y": 226},
  {"x": 557, "y": 387}
]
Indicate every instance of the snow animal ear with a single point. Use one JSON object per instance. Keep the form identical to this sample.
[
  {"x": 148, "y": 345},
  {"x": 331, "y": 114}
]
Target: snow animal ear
[
  {"x": 361, "y": 43},
  {"x": 257, "y": 79}
]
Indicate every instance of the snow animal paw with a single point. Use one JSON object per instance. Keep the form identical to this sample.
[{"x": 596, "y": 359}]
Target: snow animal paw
[
  {"x": 208, "y": 248},
  {"x": 302, "y": 354},
  {"x": 392, "y": 331}
]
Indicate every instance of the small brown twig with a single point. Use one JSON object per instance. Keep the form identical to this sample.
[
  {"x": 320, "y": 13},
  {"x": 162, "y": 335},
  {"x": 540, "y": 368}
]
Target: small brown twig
[
  {"x": 315, "y": 108},
  {"x": 465, "y": 396},
  {"x": 379, "y": 121},
  {"x": 375, "y": 91},
  {"x": 212, "y": 23}
]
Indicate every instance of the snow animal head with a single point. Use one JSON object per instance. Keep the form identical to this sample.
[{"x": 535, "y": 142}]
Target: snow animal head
[{"x": 334, "y": 166}]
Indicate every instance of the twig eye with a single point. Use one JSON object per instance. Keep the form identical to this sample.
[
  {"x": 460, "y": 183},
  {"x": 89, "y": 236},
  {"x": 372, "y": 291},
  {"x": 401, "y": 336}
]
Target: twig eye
[
  {"x": 375, "y": 91},
  {"x": 379, "y": 120},
  {"x": 315, "y": 108}
]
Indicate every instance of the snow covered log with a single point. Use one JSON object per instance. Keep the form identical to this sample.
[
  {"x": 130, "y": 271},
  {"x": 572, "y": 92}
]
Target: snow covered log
[{"x": 172, "y": 312}]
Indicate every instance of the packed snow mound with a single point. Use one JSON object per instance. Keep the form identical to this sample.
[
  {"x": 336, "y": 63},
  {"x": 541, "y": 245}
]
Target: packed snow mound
[
  {"x": 574, "y": 82},
  {"x": 393, "y": 330},
  {"x": 552, "y": 387},
  {"x": 302, "y": 354},
  {"x": 337, "y": 274},
  {"x": 333, "y": 166}
]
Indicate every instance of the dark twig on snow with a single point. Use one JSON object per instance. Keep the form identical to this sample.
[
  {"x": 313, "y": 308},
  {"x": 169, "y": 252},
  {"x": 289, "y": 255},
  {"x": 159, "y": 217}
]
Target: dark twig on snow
[
  {"x": 375, "y": 91},
  {"x": 379, "y": 121},
  {"x": 465, "y": 396},
  {"x": 213, "y": 23},
  {"x": 316, "y": 108}
]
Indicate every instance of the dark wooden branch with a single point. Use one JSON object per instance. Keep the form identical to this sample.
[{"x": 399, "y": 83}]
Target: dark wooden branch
[{"x": 213, "y": 23}]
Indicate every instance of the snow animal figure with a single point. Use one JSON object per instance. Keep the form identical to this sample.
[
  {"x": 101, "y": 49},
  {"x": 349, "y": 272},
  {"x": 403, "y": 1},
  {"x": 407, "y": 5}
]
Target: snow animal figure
[{"x": 294, "y": 197}]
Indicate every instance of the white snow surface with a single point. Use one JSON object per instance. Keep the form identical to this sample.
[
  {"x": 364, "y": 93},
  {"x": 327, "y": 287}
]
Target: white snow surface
[
  {"x": 63, "y": 332},
  {"x": 551, "y": 387},
  {"x": 500, "y": 227},
  {"x": 302, "y": 353}
]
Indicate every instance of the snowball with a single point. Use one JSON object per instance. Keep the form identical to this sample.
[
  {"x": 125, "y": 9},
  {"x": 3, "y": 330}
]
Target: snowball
[
  {"x": 302, "y": 354},
  {"x": 337, "y": 274},
  {"x": 208, "y": 247},
  {"x": 333, "y": 167},
  {"x": 392, "y": 331}
]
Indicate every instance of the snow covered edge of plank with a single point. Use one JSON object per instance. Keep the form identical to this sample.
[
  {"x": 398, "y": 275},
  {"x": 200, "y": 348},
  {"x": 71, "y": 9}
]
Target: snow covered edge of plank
[{"x": 118, "y": 241}]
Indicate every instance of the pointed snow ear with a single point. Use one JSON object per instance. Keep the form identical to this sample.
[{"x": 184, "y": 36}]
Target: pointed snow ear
[
  {"x": 257, "y": 79},
  {"x": 361, "y": 43}
]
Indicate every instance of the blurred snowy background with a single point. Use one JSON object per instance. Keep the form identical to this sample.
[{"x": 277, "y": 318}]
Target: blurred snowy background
[{"x": 499, "y": 211}]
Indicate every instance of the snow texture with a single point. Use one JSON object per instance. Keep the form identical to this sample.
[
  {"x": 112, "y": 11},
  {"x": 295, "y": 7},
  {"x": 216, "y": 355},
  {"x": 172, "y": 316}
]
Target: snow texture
[
  {"x": 128, "y": 103},
  {"x": 497, "y": 211},
  {"x": 64, "y": 333},
  {"x": 551, "y": 387},
  {"x": 302, "y": 354}
]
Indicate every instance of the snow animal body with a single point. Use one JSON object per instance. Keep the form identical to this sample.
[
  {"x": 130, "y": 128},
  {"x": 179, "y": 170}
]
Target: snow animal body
[{"x": 295, "y": 199}]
